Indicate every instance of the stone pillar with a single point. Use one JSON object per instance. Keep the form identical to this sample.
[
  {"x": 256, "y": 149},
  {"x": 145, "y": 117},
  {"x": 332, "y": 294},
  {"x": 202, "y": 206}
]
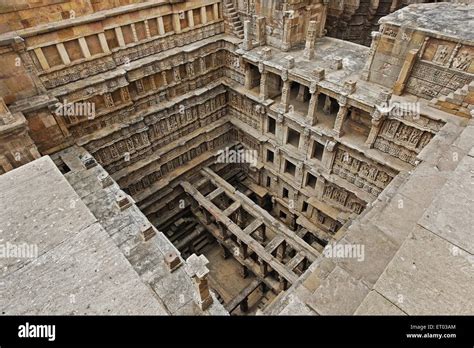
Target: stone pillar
[
  {"x": 341, "y": 116},
  {"x": 223, "y": 230},
  {"x": 283, "y": 283},
  {"x": 103, "y": 43},
  {"x": 63, "y": 53},
  {"x": 119, "y": 35},
  {"x": 263, "y": 86},
  {"x": 244, "y": 272},
  {"x": 190, "y": 18},
  {"x": 377, "y": 121},
  {"x": 286, "y": 41},
  {"x": 261, "y": 233},
  {"x": 225, "y": 253},
  {"x": 310, "y": 40},
  {"x": 328, "y": 156},
  {"x": 176, "y": 23},
  {"x": 285, "y": 95},
  {"x": 216, "y": 11},
  {"x": 243, "y": 250},
  {"x": 41, "y": 58},
  {"x": 247, "y": 44},
  {"x": 322, "y": 24},
  {"x": 301, "y": 93},
  {"x": 203, "y": 15},
  {"x": 279, "y": 129},
  {"x": 263, "y": 267},
  {"x": 305, "y": 144},
  {"x": 84, "y": 47},
  {"x": 312, "y": 117},
  {"x": 134, "y": 32},
  {"x": 260, "y": 34},
  {"x": 248, "y": 76},
  {"x": 365, "y": 75},
  {"x": 281, "y": 251},
  {"x": 161, "y": 26},
  {"x": 400, "y": 84},
  {"x": 197, "y": 270},
  {"x": 327, "y": 105},
  {"x": 244, "y": 305}
]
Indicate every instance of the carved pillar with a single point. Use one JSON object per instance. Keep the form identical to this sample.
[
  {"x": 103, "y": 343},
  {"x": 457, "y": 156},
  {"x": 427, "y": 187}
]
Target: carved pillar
[
  {"x": 84, "y": 47},
  {"x": 341, "y": 116},
  {"x": 327, "y": 105},
  {"x": 312, "y": 117},
  {"x": 408, "y": 64},
  {"x": 301, "y": 93},
  {"x": 103, "y": 43},
  {"x": 190, "y": 18},
  {"x": 203, "y": 15},
  {"x": 119, "y": 35},
  {"x": 161, "y": 26},
  {"x": 328, "y": 155},
  {"x": 286, "y": 41},
  {"x": 305, "y": 144},
  {"x": 41, "y": 58},
  {"x": 63, "y": 53},
  {"x": 310, "y": 40},
  {"x": 365, "y": 75},
  {"x": 322, "y": 25},
  {"x": 216, "y": 11},
  {"x": 176, "y": 23},
  {"x": 248, "y": 76},
  {"x": 279, "y": 129},
  {"x": 377, "y": 121},
  {"x": 197, "y": 270},
  {"x": 260, "y": 34},
  {"x": 225, "y": 253},
  {"x": 285, "y": 95},
  {"x": 263, "y": 267},
  {"x": 264, "y": 86},
  {"x": 247, "y": 44},
  {"x": 299, "y": 175}
]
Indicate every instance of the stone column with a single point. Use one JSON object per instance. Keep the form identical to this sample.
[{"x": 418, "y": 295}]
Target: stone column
[
  {"x": 216, "y": 11},
  {"x": 103, "y": 43},
  {"x": 243, "y": 249},
  {"x": 263, "y": 267},
  {"x": 264, "y": 86},
  {"x": 305, "y": 144},
  {"x": 225, "y": 253},
  {"x": 244, "y": 272},
  {"x": 247, "y": 44},
  {"x": 41, "y": 58},
  {"x": 84, "y": 47},
  {"x": 190, "y": 18},
  {"x": 176, "y": 23},
  {"x": 328, "y": 155},
  {"x": 283, "y": 283},
  {"x": 299, "y": 175},
  {"x": 281, "y": 251},
  {"x": 203, "y": 15},
  {"x": 279, "y": 129},
  {"x": 63, "y": 53},
  {"x": 365, "y": 75},
  {"x": 248, "y": 76},
  {"x": 327, "y": 105},
  {"x": 197, "y": 270},
  {"x": 223, "y": 230},
  {"x": 260, "y": 34},
  {"x": 285, "y": 95},
  {"x": 322, "y": 24},
  {"x": 312, "y": 117},
  {"x": 301, "y": 93},
  {"x": 286, "y": 41},
  {"x": 119, "y": 35},
  {"x": 310, "y": 40},
  {"x": 161, "y": 26},
  {"x": 377, "y": 121},
  {"x": 244, "y": 305},
  {"x": 341, "y": 116}
]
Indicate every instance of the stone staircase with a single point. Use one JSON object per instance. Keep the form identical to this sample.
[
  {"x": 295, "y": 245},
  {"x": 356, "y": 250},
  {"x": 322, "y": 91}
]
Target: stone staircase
[
  {"x": 460, "y": 102},
  {"x": 233, "y": 20}
]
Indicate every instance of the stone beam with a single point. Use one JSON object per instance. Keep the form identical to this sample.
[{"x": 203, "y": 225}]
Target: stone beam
[{"x": 234, "y": 303}]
